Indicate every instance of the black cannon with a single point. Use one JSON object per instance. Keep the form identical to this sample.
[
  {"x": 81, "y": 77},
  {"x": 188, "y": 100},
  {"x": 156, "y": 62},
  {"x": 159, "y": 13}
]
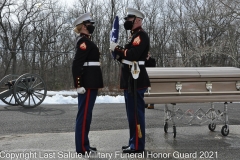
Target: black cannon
[{"x": 27, "y": 90}]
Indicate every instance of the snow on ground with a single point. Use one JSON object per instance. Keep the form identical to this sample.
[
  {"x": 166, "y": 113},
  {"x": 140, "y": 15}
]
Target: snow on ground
[{"x": 67, "y": 97}]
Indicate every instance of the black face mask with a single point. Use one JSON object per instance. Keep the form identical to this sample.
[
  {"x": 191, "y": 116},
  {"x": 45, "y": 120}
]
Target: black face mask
[
  {"x": 90, "y": 29},
  {"x": 128, "y": 25}
]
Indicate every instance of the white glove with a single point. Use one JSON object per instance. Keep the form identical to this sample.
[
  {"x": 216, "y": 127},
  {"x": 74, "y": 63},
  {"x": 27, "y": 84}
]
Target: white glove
[
  {"x": 113, "y": 45},
  {"x": 148, "y": 90},
  {"x": 81, "y": 90}
]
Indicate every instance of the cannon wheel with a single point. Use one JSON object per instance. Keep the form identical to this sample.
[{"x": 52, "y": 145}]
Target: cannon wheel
[
  {"x": 10, "y": 100},
  {"x": 29, "y": 90}
]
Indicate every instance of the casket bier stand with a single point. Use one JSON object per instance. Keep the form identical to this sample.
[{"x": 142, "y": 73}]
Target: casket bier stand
[{"x": 194, "y": 85}]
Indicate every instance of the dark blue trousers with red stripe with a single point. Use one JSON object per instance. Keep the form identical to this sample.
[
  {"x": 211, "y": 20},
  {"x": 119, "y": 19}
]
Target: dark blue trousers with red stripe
[
  {"x": 135, "y": 142},
  {"x": 86, "y": 102}
]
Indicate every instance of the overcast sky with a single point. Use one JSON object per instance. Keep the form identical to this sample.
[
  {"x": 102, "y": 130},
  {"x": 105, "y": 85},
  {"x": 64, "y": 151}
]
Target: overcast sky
[{"x": 68, "y": 2}]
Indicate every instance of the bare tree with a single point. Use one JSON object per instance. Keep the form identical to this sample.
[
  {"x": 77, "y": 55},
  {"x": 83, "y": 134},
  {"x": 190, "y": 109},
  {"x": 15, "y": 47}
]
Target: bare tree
[
  {"x": 36, "y": 35},
  {"x": 16, "y": 16}
]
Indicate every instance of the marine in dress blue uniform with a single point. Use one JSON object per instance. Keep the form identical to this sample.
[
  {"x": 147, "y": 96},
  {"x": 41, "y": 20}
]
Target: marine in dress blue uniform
[
  {"x": 135, "y": 51},
  {"x": 87, "y": 77}
]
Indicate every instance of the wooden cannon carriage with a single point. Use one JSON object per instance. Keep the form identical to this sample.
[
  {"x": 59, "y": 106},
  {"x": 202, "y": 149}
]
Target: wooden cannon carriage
[
  {"x": 27, "y": 90},
  {"x": 194, "y": 85}
]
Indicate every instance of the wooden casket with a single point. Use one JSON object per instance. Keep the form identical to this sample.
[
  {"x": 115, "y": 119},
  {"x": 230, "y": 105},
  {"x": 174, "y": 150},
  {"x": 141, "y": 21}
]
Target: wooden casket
[{"x": 194, "y": 85}]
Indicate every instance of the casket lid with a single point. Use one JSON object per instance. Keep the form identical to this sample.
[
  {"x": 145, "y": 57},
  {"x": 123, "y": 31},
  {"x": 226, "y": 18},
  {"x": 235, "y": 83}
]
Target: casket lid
[{"x": 192, "y": 72}]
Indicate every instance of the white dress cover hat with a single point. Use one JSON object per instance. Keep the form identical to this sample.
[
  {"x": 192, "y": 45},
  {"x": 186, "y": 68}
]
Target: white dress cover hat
[
  {"x": 83, "y": 18},
  {"x": 134, "y": 12}
]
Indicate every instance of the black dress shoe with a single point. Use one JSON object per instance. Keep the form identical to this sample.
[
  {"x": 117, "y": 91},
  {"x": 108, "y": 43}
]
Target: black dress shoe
[
  {"x": 130, "y": 150},
  {"x": 124, "y": 147},
  {"x": 92, "y": 148}
]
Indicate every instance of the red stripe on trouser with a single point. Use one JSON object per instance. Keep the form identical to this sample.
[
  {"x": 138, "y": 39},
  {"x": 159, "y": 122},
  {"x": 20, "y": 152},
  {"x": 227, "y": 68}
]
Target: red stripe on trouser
[
  {"x": 136, "y": 141},
  {"x": 85, "y": 118}
]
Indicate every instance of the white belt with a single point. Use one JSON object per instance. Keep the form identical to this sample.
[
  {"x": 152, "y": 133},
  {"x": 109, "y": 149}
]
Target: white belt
[
  {"x": 91, "y": 64},
  {"x": 130, "y": 63}
]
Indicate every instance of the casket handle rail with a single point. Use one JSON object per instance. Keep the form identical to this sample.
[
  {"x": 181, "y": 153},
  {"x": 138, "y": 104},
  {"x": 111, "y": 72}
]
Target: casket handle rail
[
  {"x": 238, "y": 85},
  {"x": 179, "y": 87},
  {"x": 192, "y": 93},
  {"x": 209, "y": 86}
]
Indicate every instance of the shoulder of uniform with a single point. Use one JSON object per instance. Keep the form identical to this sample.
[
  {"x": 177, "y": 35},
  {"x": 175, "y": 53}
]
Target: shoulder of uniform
[
  {"x": 83, "y": 39},
  {"x": 141, "y": 34},
  {"x": 141, "y": 31}
]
